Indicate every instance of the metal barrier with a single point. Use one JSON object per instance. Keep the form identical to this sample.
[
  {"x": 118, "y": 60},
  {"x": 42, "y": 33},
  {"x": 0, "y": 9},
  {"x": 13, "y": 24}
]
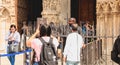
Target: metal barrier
[
  {"x": 92, "y": 53},
  {"x": 27, "y": 52},
  {"x": 97, "y": 47}
]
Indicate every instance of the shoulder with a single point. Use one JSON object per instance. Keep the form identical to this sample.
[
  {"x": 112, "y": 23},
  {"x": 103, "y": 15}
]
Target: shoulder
[
  {"x": 72, "y": 34},
  {"x": 36, "y": 41},
  {"x": 79, "y": 35},
  {"x": 16, "y": 32},
  {"x": 54, "y": 39}
]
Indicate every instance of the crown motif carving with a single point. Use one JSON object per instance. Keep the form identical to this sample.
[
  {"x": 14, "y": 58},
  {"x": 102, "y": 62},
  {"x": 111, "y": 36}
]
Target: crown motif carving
[{"x": 109, "y": 6}]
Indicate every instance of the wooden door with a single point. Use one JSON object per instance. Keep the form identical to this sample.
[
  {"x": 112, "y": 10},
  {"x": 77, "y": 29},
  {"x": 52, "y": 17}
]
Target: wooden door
[{"x": 87, "y": 10}]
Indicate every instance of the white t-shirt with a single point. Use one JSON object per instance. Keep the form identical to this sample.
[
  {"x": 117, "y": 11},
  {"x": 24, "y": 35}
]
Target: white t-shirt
[{"x": 74, "y": 43}]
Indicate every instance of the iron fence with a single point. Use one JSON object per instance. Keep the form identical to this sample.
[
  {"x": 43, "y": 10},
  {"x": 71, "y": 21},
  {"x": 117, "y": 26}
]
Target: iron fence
[
  {"x": 96, "y": 52},
  {"x": 98, "y": 46},
  {"x": 92, "y": 53}
]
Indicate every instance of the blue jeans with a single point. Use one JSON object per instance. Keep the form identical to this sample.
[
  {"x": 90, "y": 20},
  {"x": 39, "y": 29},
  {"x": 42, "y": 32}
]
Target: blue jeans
[
  {"x": 72, "y": 63},
  {"x": 35, "y": 63},
  {"x": 11, "y": 58}
]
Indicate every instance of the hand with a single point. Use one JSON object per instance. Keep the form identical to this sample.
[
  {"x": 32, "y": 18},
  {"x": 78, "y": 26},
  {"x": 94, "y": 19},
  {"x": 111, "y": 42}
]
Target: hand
[
  {"x": 64, "y": 59},
  {"x": 12, "y": 39},
  {"x": 83, "y": 46}
]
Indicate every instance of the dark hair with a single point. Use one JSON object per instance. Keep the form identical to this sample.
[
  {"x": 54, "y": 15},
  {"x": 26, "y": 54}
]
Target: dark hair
[
  {"x": 45, "y": 30},
  {"x": 12, "y": 26},
  {"x": 74, "y": 27},
  {"x": 72, "y": 19}
]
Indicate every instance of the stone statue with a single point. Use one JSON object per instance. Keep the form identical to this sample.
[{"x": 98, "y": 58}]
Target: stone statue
[{"x": 25, "y": 28}]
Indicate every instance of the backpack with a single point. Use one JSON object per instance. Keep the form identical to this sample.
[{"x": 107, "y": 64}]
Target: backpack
[
  {"x": 48, "y": 54},
  {"x": 116, "y": 51}
]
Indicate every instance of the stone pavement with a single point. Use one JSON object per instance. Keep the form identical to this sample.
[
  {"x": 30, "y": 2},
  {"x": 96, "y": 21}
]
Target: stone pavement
[
  {"x": 19, "y": 60},
  {"x": 5, "y": 61}
]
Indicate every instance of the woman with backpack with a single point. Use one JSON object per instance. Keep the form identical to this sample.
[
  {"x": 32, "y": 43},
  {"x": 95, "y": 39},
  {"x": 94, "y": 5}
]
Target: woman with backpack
[{"x": 36, "y": 44}]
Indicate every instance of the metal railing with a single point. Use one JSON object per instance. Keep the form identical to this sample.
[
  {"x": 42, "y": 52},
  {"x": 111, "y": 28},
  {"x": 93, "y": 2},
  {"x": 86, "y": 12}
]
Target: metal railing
[
  {"x": 92, "y": 53},
  {"x": 96, "y": 51}
]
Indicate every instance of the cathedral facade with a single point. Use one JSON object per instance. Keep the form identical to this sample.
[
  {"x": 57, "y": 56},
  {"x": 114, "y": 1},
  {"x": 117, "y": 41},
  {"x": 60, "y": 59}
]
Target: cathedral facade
[
  {"x": 58, "y": 11},
  {"x": 105, "y": 14}
]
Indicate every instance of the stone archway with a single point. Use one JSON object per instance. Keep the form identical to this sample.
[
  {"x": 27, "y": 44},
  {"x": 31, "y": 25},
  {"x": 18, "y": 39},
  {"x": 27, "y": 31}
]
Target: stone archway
[{"x": 4, "y": 26}]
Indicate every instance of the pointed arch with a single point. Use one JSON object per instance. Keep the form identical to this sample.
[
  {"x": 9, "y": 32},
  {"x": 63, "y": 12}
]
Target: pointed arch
[{"x": 5, "y": 12}]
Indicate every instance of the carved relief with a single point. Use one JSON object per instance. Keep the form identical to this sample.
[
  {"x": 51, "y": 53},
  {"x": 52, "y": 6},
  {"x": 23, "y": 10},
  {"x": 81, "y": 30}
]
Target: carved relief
[
  {"x": 6, "y": 1},
  {"x": 99, "y": 8},
  {"x": 110, "y": 6},
  {"x": 108, "y": 20},
  {"x": 51, "y": 10},
  {"x": 5, "y": 14},
  {"x": 50, "y": 4},
  {"x": 107, "y": 7},
  {"x": 115, "y": 6}
]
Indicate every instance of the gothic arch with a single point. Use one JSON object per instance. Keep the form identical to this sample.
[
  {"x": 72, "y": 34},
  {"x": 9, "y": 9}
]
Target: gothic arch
[
  {"x": 5, "y": 21},
  {"x": 5, "y": 14}
]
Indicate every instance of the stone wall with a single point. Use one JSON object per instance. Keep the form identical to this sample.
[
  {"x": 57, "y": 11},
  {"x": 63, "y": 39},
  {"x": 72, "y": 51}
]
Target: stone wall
[
  {"x": 7, "y": 17},
  {"x": 108, "y": 23},
  {"x": 64, "y": 11},
  {"x": 56, "y": 11},
  {"x": 108, "y": 18}
]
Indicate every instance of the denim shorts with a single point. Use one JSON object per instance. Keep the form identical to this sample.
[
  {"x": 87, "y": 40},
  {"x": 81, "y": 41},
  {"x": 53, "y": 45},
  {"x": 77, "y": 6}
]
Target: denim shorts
[
  {"x": 72, "y": 63},
  {"x": 35, "y": 63}
]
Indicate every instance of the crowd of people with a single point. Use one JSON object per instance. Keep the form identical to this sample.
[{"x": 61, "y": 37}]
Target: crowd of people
[{"x": 72, "y": 43}]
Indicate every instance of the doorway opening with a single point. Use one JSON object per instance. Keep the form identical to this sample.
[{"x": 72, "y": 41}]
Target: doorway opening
[
  {"x": 35, "y": 9},
  {"x": 28, "y": 11},
  {"x": 84, "y": 10}
]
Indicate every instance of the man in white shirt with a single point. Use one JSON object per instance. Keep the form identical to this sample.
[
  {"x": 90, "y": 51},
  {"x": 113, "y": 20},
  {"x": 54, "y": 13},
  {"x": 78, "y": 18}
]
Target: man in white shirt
[{"x": 74, "y": 43}]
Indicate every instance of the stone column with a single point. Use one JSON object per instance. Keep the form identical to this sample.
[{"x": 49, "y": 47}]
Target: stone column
[
  {"x": 57, "y": 11},
  {"x": 65, "y": 11},
  {"x": 50, "y": 11},
  {"x": 116, "y": 22},
  {"x": 51, "y": 16}
]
